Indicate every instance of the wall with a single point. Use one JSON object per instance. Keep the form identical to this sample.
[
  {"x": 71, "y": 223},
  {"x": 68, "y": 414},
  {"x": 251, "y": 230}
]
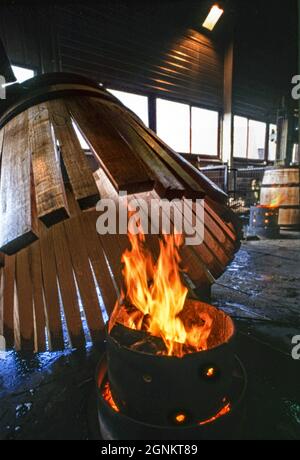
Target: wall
[
  {"x": 126, "y": 45},
  {"x": 141, "y": 48},
  {"x": 159, "y": 48},
  {"x": 265, "y": 57}
]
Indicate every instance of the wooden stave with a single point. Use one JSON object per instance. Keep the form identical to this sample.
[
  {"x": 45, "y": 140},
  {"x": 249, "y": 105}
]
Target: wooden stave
[{"x": 54, "y": 326}]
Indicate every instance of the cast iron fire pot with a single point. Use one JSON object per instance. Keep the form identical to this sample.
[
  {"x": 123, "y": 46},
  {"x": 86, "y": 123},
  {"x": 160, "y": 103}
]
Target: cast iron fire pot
[
  {"x": 142, "y": 395},
  {"x": 264, "y": 221}
]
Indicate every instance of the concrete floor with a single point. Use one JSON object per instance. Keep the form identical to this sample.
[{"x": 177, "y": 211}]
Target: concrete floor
[{"x": 46, "y": 396}]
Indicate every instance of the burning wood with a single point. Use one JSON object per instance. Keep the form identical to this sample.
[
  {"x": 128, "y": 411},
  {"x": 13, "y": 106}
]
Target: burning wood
[
  {"x": 157, "y": 296},
  {"x": 157, "y": 337},
  {"x": 138, "y": 340}
]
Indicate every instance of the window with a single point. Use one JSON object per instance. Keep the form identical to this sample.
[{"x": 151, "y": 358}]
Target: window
[
  {"x": 173, "y": 124},
  {"x": 272, "y": 142},
  {"x": 257, "y": 140},
  {"x": 138, "y": 104},
  {"x": 187, "y": 129},
  {"x": 240, "y": 137},
  {"x": 205, "y": 128},
  {"x": 249, "y": 139},
  {"x": 184, "y": 128},
  {"x": 22, "y": 73}
]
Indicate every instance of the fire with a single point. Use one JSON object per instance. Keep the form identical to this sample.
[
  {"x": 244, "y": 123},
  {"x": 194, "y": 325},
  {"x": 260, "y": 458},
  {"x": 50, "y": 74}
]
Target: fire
[
  {"x": 276, "y": 202},
  {"x": 224, "y": 411},
  {"x": 157, "y": 295},
  {"x": 106, "y": 393},
  {"x": 180, "y": 418},
  {"x": 210, "y": 372}
]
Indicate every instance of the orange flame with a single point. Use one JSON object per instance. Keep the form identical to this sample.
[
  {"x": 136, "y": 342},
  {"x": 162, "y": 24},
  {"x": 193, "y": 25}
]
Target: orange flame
[
  {"x": 158, "y": 295},
  {"x": 225, "y": 410},
  {"x": 107, "y": 395},
  {"x": 276, "y": 202}
]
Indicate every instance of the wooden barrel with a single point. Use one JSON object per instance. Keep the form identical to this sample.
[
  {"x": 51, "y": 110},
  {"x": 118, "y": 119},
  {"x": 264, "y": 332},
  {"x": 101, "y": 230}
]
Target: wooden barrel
[
  {"x": 54, "y": 262},
  {"x": 280, "y": 188}
]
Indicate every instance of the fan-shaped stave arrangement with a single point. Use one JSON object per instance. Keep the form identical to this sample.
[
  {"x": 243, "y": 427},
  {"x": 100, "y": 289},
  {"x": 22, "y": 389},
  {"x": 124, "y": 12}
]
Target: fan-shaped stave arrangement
[{"x": 59, "y": 278}]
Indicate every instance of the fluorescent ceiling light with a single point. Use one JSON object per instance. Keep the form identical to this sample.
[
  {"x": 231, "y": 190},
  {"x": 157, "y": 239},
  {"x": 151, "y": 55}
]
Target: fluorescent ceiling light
[
  {"x": 213, "y": 17},
  {"x": 21, "y": 74}
]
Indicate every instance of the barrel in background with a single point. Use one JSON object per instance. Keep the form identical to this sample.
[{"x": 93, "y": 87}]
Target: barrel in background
[{"x": 280, "y": 188}]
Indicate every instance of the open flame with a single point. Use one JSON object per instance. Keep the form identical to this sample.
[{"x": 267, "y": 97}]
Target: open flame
[
  {"x": 276, "y": 201},
  {"x": 156, "y": 297}
]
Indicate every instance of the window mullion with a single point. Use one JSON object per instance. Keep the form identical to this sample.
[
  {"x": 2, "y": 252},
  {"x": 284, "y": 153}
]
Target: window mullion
[
  {"x": 248, "y": 139},
  {"x": 191, "y": 134}
]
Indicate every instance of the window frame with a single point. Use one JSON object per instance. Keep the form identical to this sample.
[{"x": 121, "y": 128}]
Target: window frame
[
  {"x": 190, "y": 119},
  {"x": 219, "y": 132},
  {"x": 266, "y": 152},
  {"x": 152, "y": 118},
  {"x": 191, "y": 105},
  {"x": 110, "y": 88},
  {"x": 268, "y": 141},
  {"x": 253, "y": 160},
  {"x": 233, "y": 136}
]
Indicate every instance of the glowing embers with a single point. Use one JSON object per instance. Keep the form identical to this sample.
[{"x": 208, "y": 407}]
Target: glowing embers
[
  {"x": 193, "y": 315},
  {"x": 106, "y": 393},
  {"x": 264, "y": 221},
  {"x": 224, "y": 411},
  {"x": 166, "y": 397},
  {"x": 210, "y": 373},
  {"x": 179, "y": 418}
]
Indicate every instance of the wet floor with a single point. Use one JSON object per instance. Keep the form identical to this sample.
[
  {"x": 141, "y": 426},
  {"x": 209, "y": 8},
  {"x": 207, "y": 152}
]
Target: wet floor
[{"x": 47, "y": 396}]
